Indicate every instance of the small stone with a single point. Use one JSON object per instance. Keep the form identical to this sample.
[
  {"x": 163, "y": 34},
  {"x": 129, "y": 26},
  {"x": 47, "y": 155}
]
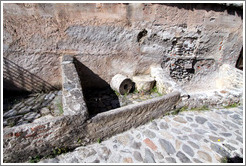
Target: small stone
[
  {"x": 196, "y": 136},
  {"x": 164, "y": 125},
  {"x": 125, "y": 139},
  {"x": 44, "y": 111},
  {"x": 189, "y": 119},
  {"x": 136, "y": 145},
  {"x": 188, "y": 150},
  {"x": 96, "y": 161},
  {"x": 230, "y": 124},
  {"x": 149, "y": 156},
  {"x": 150, "y": 144},
  {"x": 159, "y": 155},
  {"x": 127, "y": 160},
  {"x": 194, "y": 125},
  {"x": 167, "y": 146},
  {"x": 216, "y": 139},
  {"x": 196, "y": 160},
  {"x": 9, "y": 113},
  {"x": 182, "y": 157},
  {"x": 193, "y": 144},
  {"x": 137, "y": 156},
  {"x": 176, "y": 131},
  {"x": 226, "y": 134},
  {"x": 229, "y": 147},
  {"x": 239, "y": 139},
  {"x": 104, "y": 153},
  {"x": 149, "y": 134},
  {"x": 211, "y": 126},
  {"x": 170, "y": 160},
  {"x": 236, "y": 117},
  {"x": 200, "y": 120},
  {"x": 205, "y": 156},
  {"x": 153, "y": 126},
  {"x": 187, "y": 129},
  {"x": 180, "y": 120},
  {"x": 201, "y": 131},
  {"x": 220, "y": 150}
]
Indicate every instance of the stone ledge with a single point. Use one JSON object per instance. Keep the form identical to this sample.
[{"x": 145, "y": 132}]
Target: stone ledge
[{"x": 73, "y": 98}]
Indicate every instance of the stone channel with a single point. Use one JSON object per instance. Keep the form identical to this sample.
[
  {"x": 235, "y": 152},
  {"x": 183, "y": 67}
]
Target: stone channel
[{"x": 188, "y": 137}]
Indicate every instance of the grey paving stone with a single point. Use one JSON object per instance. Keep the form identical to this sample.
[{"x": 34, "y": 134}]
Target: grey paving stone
[
  {"x": 226, "y": 134},
  {"x": 216, "y": 139},
  {"x": 200, "y": 120},
  {"x": 167, "y": 146},
  {"x": 176, "y": 131},
  {"x": 220, "y": 150},
  {"x": 236, "y": 117},
  {"x": 230, "y": 124},
  {"x": 159, "y": 155},
  {"x": 137, "y": 156},
  {"x": 104, "y": 153},
  {"x": 189, "y": 119},
  {"x": 188, "y": 150},
  {"x": 211, "y": 126},
  {"x": 149, "y": 134},
  {"x": 149, "y": 156},
  {"x": 164, "y": 125},
  {"x": 201, "y": 131},
  {"x": 179, "y": 119},
  {"x": 194, "y": 125},
  {"x": 182, "y": 157},
  {"x": 239, "y": 139},
  {"x": 195, "y": 137},
  {"x": 136, "y": 145},
  {"x": 196, "y": 160},
  {"x": 153, "y": 126},
  {"x": 229, "y": 147},
  {"x": 193, "y": 145},
  {"x": 184, "y": 137},
  {"x": 170, "y": 160},
  {"x": 187, "y": 129}
]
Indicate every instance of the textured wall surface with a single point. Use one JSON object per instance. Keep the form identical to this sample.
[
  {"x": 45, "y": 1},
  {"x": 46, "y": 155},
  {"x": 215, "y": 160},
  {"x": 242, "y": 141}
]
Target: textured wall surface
[
  {"x": 70, "y": 131},
  {"x": 116, "y": 38}
]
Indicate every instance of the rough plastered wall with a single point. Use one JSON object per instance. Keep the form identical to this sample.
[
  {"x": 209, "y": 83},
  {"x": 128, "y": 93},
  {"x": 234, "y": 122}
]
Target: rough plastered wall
[{"x": 116, "y": 38}]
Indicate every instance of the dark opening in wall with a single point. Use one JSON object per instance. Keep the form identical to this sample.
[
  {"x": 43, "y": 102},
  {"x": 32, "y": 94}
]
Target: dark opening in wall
[
  {"x": 141, "y": 34},
  {"x": 239, "y": 63}
]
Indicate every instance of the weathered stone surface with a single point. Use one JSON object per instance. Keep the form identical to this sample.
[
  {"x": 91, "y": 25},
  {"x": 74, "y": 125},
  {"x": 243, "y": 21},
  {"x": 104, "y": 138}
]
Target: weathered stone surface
[
  {"x": 149, "y": 156},
  {"x": 170, "y": 160},
  {"x": 167, "y": 146},
  {"x": 211, "y": 126},
  {"x": 200, "y": 120},
  {"x": 193, "y": 144},
  {"x": 136, "y": 145},
  {"x": 143, "y": 82},
  {"x": 182, "y": 157},
  {"x": 104, "y": 153},
  {"x": 205, "y": 156},
  {"x": 137, "y": 156},
  {"x": 220, "y": 150},
  {"x": 149, "y": 134},
  {"x": 10, "y": 113},
  {"x": 150, "y": 144},
  {"x": 188, "y": 150},
  {"x": 180, "y": 120},
  {"x": 164, "y": 125}
]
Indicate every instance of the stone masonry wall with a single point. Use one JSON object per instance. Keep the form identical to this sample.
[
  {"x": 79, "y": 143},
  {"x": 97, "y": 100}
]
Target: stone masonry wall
[
  {"x": 73, "y": 130},
  {"x": 117, "y": 38}
]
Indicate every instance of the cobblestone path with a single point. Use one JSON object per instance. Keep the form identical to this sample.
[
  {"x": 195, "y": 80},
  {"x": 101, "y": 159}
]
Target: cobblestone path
[{"x": 189, "y": 137}]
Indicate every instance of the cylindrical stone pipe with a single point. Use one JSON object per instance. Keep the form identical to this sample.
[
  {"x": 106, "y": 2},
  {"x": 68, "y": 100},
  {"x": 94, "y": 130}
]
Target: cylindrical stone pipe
[{"x": 121, "y": 84}]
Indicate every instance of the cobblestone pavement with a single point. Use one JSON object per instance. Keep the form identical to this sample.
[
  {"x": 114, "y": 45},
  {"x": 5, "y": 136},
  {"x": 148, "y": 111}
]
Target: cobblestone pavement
[
  {"x": 190, "y": 136},
  {"x": 34, "y": 106}
]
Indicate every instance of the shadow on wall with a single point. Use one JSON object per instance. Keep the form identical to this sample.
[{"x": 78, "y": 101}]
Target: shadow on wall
[
  {"x": 232, "y": 10},
  {"x": 18, "y": 79},
  {"x": 99, "y": 96}
]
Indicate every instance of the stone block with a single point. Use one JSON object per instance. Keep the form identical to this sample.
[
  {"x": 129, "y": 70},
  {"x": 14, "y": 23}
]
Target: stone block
[{"x": 143, "y": 82}]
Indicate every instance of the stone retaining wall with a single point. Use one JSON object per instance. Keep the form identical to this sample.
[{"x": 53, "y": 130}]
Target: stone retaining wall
[{"x": 73, "y": 129}]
